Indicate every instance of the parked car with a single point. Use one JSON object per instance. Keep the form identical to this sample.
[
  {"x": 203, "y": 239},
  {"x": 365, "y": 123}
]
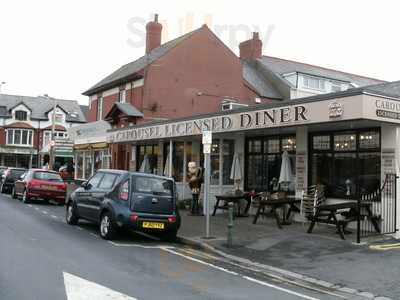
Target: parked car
[
  {"x": 2, "y": 169},
  {"x": 40, "y": 184},
  {"x": 9, "y": 177},
  {"x": 117, "y": 199}
]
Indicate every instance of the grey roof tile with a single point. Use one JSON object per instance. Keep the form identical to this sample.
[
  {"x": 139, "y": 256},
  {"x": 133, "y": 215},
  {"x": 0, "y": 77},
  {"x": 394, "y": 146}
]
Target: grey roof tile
[
  {"x": 129, "y": 109},
  {"x": 255, "y": 77},
  {"x": 39, "y": 107},
  {"x": 131, "y": 68},
  {"x": 284, "y": 66}
]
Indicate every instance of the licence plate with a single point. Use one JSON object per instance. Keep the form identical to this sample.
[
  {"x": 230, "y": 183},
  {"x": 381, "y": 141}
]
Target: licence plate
[
  {"x": 153, "y": 225},
  {"x": 48, "y": 187}
]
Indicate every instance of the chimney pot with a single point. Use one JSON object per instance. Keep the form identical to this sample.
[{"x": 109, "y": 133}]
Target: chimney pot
[
  {"x": 153, "y": 34},
  {"x": 252, "y": 48}
]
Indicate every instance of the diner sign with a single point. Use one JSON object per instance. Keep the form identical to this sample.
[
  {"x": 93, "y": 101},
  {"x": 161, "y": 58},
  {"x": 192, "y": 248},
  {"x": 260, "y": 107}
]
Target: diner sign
[{"x": 282, "y": 116}]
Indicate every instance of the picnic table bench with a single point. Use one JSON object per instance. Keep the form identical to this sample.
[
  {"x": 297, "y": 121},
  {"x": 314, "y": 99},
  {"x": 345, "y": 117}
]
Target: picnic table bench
[
  {"x": 274, "y": 204},
  {"x": 223, "y": 200},
  {"x": 327, "y": 213}
]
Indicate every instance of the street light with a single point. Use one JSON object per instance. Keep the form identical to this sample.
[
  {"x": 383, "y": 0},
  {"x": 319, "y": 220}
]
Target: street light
[{"x": 53, "y": 129}]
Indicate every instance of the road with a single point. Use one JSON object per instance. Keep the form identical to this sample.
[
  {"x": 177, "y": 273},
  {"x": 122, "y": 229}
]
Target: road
[{"x": 41, "y": 257}]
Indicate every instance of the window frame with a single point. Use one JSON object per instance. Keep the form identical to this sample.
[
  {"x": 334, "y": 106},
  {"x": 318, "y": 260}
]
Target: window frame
[
  {"x": 358, "y": 150},
  {"x": 21, "y": 111},
  {"x": 29, "y": 137}
]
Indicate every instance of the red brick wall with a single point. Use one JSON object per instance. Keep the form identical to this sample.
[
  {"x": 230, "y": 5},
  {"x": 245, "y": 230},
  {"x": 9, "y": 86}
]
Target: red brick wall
[
  {"x": 200, "y": 63},
  {"x": 108, "y": 102},
  {"x": 2, "y": 136},
  {"x": 92, "y": 114}
]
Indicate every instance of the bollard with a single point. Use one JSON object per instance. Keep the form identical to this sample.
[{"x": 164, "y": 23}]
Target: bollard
[{"x": 230, "y": 224}]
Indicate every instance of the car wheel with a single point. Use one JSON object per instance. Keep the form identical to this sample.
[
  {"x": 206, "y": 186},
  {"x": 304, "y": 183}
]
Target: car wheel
[
  {"x": 169, "y": 236},
  {"x": 25, "y": 197},
  {"x": 13, "y": 194},
  {"x": 108, "y": 228},
  {"x": 70, "y": 214}
]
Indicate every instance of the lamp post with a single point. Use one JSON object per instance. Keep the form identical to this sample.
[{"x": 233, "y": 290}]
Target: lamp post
[{"x": 53, "y": 129}]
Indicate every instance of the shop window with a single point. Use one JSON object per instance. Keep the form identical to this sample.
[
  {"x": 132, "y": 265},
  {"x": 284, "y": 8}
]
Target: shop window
[
  {"x": 263, "y": 167},
  {"x": 79, "y": 165},
  {"x": 88, "y": 165},
  {"x": 228, "y": 149},
  {"x": 19, "y": 137},
  {"x": 351, "y": 167},
  {"x": 322, "y": 142},
  {"x": 369, "y": 140},
  {"x": 344, "y": 142},
  {"x": 152, "y": 153}
]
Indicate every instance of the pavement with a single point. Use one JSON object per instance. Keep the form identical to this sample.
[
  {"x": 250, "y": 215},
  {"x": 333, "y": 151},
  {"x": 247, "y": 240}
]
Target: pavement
[
  {"x": 321, "y": 257},
  {"x": 42, "y": 257}
]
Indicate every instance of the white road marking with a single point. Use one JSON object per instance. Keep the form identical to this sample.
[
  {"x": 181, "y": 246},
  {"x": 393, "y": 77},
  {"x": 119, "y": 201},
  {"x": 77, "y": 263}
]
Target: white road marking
[
  {"x": 78, "y": 288},
  {"x": 54, "y": 217},
  {"x": 45, "y": 212},
  {"x": 236, "y": 274},
  {"x": 139, "y": 246},
  {"x": 199, "y": 261},
  {"x": 37, "y": 208},
  {"x": 279, "y": 288}
]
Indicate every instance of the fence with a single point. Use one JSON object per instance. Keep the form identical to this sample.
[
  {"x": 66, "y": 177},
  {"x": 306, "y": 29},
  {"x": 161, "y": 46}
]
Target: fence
[{"x": 376, "y": 211}]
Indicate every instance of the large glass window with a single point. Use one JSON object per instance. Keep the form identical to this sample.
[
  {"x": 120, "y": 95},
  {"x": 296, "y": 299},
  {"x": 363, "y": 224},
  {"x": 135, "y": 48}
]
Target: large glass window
[
  {"x": 228, "y": 148},
  {"x": 79, "y": 165},
  {"x": 21, "y": 115},
  {"x": 19, "y": 137},
  {"x": 347, "y": 163},
  {"x": 263, "y": 160},
  {"x": 88, "y": 164},
  {"x": 152, "y": 154}
]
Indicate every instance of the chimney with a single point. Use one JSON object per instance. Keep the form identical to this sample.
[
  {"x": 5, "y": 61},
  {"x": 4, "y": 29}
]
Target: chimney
[
  {"x": 153, "y": 34},
  {"x": 251, "y": 49}
]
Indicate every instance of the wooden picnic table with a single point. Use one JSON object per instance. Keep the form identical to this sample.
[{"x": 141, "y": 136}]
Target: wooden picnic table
[
  {"x": 235, "y": 199},
  {"x": 274, "y": 204},
  {"x": 326, "y": 213}
]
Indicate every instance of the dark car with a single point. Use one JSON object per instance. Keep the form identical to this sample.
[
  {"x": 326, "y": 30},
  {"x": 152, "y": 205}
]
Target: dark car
[
  {"x": 9, "y": 177},
  {"x": 117, "y": 199},
  {"x": 40, "y": 184}
]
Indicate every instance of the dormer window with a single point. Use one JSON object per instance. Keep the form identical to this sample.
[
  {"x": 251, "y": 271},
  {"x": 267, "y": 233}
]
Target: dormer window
[
  {"x": 314, "y": 83},
  {"x": 21, "y": 115},
  {"x": 59, "y": 118}
]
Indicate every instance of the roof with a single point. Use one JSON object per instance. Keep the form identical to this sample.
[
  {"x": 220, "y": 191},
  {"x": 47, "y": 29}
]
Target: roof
[
  {"x": 127, "y": 72},
  {"x": 383, "y": 89},
  {"x": 264, "y": 87},
  {"x": 39, "y": 106},
  {"x": 85, "y": 110},
  {"x": 391, "y": 89},
  {"x": 285, "y": 66},
  {"x": 126, "y": 108}
]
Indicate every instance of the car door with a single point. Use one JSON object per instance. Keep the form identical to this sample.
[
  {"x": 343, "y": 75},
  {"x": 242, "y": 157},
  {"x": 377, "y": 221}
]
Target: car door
[
  {"x": 106, "y": 184},
  {"x": 83, "y": 196}
]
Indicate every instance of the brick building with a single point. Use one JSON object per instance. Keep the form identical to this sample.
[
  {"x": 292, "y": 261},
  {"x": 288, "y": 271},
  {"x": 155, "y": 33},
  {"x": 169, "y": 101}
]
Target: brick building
[{"x": 25, "y": 129}]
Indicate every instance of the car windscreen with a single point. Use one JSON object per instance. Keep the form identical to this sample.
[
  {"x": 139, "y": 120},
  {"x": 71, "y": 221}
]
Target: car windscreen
[
  {"x": 153, "y": 186},
  {"x": 47, "y": 176}
]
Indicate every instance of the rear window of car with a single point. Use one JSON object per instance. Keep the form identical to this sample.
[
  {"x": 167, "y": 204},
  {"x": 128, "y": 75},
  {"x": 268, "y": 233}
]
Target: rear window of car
[
  {"x": 47, "y": 176},
  {"x": 16, "y": 173},
  {"x": 154, "y": 186}
]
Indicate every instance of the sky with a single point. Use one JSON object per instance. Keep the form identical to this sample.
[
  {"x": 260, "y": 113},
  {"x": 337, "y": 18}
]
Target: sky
[{"x": 62, "y": 48}]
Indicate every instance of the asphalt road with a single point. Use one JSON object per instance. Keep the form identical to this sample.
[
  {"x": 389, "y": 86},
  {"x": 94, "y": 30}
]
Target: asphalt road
[{"x": 41, "y": 257}]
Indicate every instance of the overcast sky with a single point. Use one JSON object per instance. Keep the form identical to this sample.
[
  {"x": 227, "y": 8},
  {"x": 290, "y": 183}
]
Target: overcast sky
[{"x": 62, "y": 47}]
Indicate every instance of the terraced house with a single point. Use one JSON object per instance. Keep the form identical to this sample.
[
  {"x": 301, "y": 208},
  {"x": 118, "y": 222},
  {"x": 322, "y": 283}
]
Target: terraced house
[{"x": 26, "y": 126}]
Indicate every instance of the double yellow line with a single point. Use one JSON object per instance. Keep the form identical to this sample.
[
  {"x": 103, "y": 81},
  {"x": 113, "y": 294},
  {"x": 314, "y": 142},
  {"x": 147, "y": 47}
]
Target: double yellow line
[{"x": 385, "y": 247}]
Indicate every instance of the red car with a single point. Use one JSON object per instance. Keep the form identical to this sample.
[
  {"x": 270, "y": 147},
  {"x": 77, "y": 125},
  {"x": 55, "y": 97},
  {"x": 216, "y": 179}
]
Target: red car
[{"x": 40, "y": 184}]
